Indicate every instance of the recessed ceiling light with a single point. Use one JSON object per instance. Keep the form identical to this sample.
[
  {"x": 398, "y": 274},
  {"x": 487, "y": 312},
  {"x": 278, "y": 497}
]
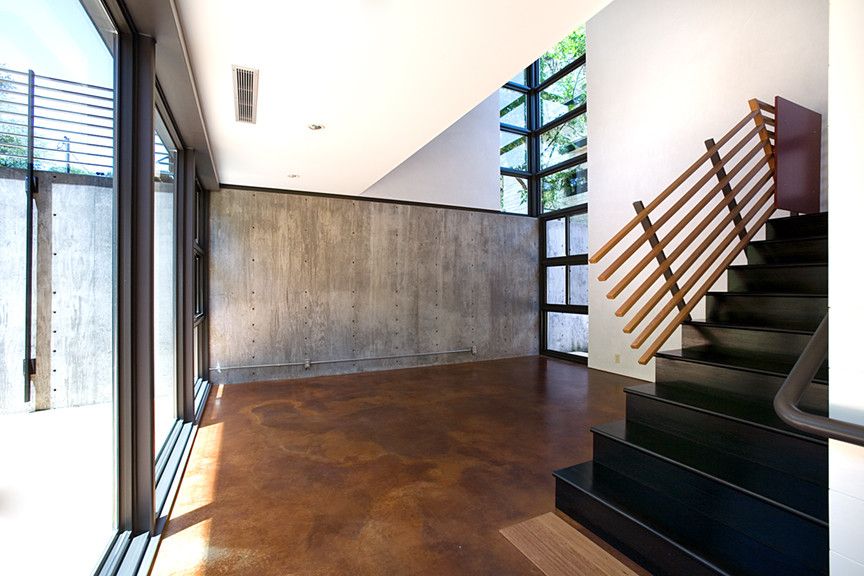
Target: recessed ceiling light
[{"x": 315, "y": 127}]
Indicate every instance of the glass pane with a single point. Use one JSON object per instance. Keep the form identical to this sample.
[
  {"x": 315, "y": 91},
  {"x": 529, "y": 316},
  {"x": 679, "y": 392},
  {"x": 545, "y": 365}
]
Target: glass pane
[
  {"x": 520, "y": 77},
  {"x": 164, "y": 285},
  {"x": 578, "y": 231},
  {"x": 564, "y": 142},
  {"x": 514, "y": 151},
  {"x": 563, "y": 53},
  {"x": 555, "y": 285},
  {"x": 196, "y": 353},
  {"x": 57, "y": 465},
  {"x": 555, "y": 238},
  {"x": 514, "y": 194},
  {"x": 567, "y": 333},
  {"x": 512, "y": 107},
  {"x": 564, "y": 95},
  {"x": 565, "y": 189},
  {"x": 578, "y": 286}
]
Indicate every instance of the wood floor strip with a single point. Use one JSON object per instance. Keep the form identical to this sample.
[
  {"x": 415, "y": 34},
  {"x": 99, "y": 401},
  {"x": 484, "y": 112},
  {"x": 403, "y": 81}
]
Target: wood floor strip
[{"x": 558, "y": 549}]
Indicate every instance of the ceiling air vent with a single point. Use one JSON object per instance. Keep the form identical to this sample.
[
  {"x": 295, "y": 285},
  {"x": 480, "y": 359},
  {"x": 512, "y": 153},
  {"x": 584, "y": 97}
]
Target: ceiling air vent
[{"x": 245, "y": 94}]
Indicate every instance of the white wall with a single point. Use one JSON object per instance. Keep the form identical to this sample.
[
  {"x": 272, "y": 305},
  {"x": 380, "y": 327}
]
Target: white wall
[
  {"x": 663, "y": 76},
  {"x": 458, "y": 168},
  {"x": 846, "y": 478}
]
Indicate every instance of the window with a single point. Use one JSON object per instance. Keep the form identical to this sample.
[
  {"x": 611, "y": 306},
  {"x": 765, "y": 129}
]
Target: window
[
  {"x": 544, "y": 173},
  {"x": 543, "y": 113}
]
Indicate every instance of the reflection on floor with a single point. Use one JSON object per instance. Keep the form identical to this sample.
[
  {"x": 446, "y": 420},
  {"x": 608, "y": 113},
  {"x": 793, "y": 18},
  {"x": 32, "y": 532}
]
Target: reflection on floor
[
  {"x": 404, "y": 472},
  {"x": 57, "y": 501}
]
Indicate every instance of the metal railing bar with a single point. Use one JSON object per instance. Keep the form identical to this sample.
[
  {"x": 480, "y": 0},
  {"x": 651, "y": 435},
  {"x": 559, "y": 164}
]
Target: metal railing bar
[
  {"x": 7, "y": 81},
  {"x": 76, "y": 122},
  {"x": 691, "y": 259},
  {"x": 72, "y": 92},
  {"x": 73, "y": 163},
  {"x": 799, "y": 378},
  {"x": 88, "y": 134},
  {"x": 613, "y": 267},
  {"x": 72, "y": 103},
  {"x": 687, "y": 218},
  {"x": 718, "y": 270},
  {"x": 636, "y": 221},
  {"x": 13, "y": 102},
  {"x": 12, "y": 144},
  {"x": 62, "y": 140},
  {"x": 342, "y": 361},
  {"x": 11, "y": 71},
  {"x": 73, "y": 152},
  {"x": 71, "y": 83},
  {"x": 14, "y": 113},
  {"x": 73, "y": 113},
  {"x": 15, "y": 155}
]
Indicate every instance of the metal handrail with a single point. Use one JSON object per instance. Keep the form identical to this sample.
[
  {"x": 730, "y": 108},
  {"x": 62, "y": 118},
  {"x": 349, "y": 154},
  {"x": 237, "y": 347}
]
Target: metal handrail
[{"x": 796, "y": 383}]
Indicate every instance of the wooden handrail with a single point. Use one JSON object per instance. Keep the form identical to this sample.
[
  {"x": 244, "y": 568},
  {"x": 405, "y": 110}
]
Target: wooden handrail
[
  {"x": 730, "y": 217},
  {"x": 706, "y": 286},
  {"x": 699, "y": 241},
  {"x": 671, "y": 188},
  {"x": 703, "y": 268},
  {"x": 612, "y": 268},
  {"x": 687, "y": 219}
]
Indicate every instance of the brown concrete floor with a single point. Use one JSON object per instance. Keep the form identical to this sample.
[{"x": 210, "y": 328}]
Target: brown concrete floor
[{"x": 403, "y": 472}]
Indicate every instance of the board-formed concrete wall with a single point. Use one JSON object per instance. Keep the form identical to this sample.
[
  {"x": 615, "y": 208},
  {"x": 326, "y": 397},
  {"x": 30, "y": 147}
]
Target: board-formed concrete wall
[{"x": 296, "y": 277}]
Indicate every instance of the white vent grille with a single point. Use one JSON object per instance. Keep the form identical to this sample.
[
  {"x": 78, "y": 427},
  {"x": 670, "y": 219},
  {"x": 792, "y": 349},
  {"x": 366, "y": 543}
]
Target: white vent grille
[{"x": 245, "y": 94}]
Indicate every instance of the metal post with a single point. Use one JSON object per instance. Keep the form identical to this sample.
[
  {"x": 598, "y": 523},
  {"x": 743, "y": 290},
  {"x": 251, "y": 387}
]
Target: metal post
[
  {"x": 68, "y": 159},
  {"x": 727, "y": 189},
  {"x": 31, "y": 186},
  {"x": 661, "y": 256}
]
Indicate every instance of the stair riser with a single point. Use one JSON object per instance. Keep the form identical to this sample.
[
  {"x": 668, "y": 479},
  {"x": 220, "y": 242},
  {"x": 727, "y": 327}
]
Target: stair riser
[
  {"x": 793, "y": 536},
  {"x": 730, "y": 549},
  {"x": 752, "y": 386},
  {"x": 767, "y": 311},
  {"x": 791, "y": 252},
  {"x": 788, "y": 454},
  {"x": 642, "y": 546},
  {"x": 771, "y": 345},
  {"x": 799, "y": 227},
  {"x": 767, "y": 342},
  {"x": 786, "y": 280}
]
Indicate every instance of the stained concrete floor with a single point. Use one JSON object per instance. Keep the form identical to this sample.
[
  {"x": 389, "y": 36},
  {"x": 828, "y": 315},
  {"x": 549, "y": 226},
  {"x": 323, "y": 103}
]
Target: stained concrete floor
[{"x": 403, "y": 472}]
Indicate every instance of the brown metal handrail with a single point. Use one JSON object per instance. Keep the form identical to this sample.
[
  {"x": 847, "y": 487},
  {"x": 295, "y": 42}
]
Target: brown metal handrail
[
  {"x": 742, "y": 166},
  {"x": 792, "y": 391}
]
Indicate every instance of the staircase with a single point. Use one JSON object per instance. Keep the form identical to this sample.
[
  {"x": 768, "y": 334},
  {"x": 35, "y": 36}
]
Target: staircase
[{"x": 702, "y": 477}]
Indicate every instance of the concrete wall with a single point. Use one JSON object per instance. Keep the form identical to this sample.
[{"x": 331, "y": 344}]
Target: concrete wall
[
  {"x": 295, "y": 277},
  {"x": 663, "y": 76},
  {"x": 846, "y": 395},
  {"x": 73, "y": 290},
  {"x": 458, "y": 168}
]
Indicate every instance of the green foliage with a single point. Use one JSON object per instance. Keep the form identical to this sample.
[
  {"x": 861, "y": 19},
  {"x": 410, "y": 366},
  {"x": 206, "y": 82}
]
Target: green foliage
[{"x": 563, "y": 53}]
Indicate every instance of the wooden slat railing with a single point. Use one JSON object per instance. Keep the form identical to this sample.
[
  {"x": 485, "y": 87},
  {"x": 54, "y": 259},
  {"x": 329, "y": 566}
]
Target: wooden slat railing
[{"x": 735, "y": 178}]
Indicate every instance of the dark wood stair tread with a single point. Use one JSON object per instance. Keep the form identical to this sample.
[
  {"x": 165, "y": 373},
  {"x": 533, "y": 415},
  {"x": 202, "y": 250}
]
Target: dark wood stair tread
[
  {"x": 719, "y": 548},
  {"x": 722, "y": 407},
  {"x": 805, "y": 499},
  {"x": 760, "y": 363}
]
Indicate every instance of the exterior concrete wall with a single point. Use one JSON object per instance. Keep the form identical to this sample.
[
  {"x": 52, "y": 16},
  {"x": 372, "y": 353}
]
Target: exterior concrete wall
[
  {"x": 457, "y": 168},
  {"x": 663, "y": 76},
  {"x": 295, "y": 277},
  {"x": 846, "y": 394},
  {"x": 73, "y": 267}
]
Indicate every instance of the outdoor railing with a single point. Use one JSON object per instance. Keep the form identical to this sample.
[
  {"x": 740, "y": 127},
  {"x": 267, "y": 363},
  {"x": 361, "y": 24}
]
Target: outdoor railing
[{"x": 59, "y": 125}]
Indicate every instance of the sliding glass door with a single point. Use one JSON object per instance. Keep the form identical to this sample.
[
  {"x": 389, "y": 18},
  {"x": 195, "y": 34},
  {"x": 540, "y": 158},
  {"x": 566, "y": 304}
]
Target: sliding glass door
[{"x": 58, "y": 470}]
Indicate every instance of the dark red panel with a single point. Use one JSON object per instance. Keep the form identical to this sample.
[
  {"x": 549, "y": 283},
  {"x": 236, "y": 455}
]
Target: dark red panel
[{"x": 798, "y": 148}]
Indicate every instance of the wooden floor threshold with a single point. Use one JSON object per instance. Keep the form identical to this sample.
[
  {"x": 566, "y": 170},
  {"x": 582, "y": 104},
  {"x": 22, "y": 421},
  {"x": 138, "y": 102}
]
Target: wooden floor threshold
[{"x": 559, "y": 549}]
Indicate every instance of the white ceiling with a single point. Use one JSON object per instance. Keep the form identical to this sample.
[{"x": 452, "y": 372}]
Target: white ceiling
[{"x": 383, "y": 76}]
